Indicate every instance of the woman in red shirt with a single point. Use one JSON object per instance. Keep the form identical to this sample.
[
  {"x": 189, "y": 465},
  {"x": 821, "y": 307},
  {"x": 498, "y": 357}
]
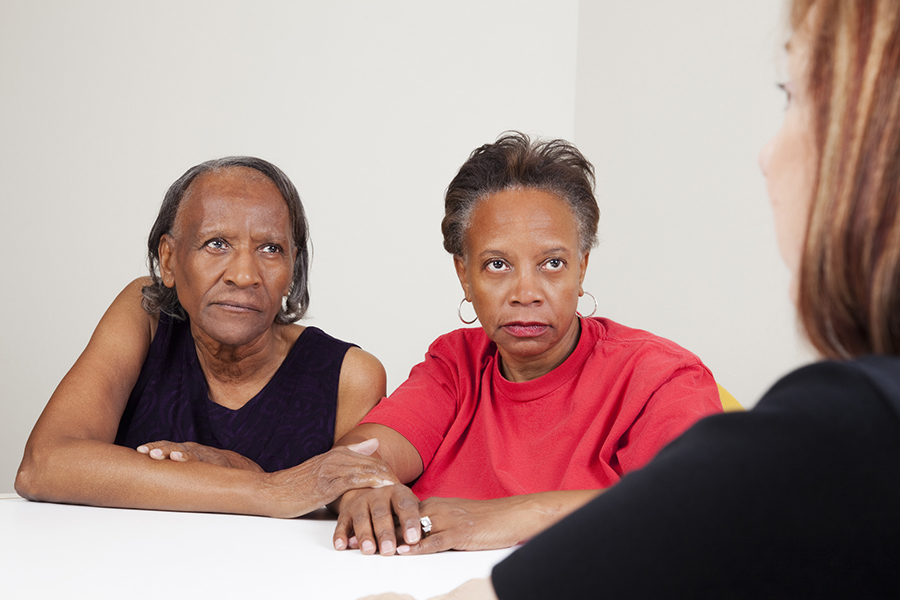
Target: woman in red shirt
[{"x": 508, "y": 427}]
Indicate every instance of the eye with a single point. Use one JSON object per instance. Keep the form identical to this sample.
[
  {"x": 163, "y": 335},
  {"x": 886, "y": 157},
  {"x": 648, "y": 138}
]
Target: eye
[
  {"x": 786, "y": 88},
  {"x": 272, "y": 249},
  {"x": 216, "y": 244},
  {"x": 553, "y": 264},
  {"x": 496, "y": 266}
]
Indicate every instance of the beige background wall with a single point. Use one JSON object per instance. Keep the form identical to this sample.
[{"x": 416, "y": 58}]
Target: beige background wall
[{"x": 370, "y": 107}]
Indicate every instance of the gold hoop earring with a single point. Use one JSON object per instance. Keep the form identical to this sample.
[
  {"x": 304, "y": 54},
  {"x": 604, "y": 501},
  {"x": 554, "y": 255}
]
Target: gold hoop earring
[
  {"x": 459, "y": 313},
  {"x": 593, "y": 311}
]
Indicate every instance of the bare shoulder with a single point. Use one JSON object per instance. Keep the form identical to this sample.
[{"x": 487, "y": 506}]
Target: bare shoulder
[
  {"x": 127, "y": 312},
  {"x": 363, "y": 384},
  {"x": 359, "y": 363}
]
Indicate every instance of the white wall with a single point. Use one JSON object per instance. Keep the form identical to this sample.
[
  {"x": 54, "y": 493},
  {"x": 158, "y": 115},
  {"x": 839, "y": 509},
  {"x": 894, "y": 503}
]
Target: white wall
[
  {"x": 675, "y": 99},
  {"x": 370, "y": 107}
]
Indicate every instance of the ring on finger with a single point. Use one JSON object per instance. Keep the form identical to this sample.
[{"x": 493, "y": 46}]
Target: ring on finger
[{"x": 426, "y": 526}]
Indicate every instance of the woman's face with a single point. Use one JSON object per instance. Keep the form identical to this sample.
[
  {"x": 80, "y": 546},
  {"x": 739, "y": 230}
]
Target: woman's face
[
  {"x": 230, "y": 257},
  {"x": 522, "y": 271},
  {"x": 788, "y": 161}
]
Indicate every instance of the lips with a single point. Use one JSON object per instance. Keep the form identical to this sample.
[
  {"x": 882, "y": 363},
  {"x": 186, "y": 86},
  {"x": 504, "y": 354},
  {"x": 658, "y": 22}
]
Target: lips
[
  {"x": 525, "y": 330},
  {"x": 236, "y": 306}
]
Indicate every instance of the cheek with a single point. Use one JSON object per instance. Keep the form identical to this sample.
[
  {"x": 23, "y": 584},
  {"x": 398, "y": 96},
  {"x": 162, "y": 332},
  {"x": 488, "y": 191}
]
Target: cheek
[{"x": 789, "y": 166}]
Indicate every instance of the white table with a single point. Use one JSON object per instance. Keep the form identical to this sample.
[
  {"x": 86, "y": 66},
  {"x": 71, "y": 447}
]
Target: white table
[{"x": 64, "y": 551}]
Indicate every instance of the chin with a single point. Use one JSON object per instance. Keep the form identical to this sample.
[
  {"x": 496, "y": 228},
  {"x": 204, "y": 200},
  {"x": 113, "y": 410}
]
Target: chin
[
  {"x": 237, "y": 335},
  {"x": 524, "y": 347}
]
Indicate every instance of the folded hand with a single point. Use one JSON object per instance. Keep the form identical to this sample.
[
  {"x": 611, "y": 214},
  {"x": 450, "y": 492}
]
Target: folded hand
[{"x": 188, "y": 451}]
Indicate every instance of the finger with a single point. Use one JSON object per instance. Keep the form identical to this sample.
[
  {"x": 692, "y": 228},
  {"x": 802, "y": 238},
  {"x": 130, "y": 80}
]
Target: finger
[
  {"x": 158, "y": 450},
  {"x": 177, "y": 456},
  {"x": 398, "y": 533},
  {"x": 436, "y": 542},
  {"x": 406, "y": 507},
  {"x": 342, "y": 532},
  {"x": 362, "y": 529},
  {"x": 383, "y": 526},
  {"x": 366, "y": 448}
]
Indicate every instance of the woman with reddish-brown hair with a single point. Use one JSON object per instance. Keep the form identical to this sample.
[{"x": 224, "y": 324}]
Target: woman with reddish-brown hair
[{"x": 798, "y": 497}]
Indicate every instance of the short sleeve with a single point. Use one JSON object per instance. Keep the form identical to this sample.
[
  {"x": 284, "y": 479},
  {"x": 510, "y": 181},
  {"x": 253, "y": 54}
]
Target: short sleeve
[
  {"x": 687, "y": 395},
  {"x": 424, "y": 407}
]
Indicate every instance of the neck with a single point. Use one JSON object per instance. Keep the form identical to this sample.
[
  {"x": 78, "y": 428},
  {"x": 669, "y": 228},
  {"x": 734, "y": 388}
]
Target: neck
[{"x": 228, "y": 365}]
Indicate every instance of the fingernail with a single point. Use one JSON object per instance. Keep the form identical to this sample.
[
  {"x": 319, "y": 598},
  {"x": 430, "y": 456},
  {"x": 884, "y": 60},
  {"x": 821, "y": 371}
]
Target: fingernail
[
  {"x": 387, "y": 547},
  {"x": 412, "y": 536},
  {"x": 143, "y": 449},
  {"x": 402, "y": 549},
  {"x": 175, "y": 456},
  {"x": 338, "y": 544},
  {"x": 156, "y": 453},
  {"x": 368, "y": 546},
  {"x": 366, "y": 447}
]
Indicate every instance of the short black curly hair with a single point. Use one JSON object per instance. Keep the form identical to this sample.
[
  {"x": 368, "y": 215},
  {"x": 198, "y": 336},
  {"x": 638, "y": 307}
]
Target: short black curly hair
[{"x": 515, "y": 161}]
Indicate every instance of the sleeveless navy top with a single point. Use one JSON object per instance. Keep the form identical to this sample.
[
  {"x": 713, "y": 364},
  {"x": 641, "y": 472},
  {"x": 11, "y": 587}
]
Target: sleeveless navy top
[{"x": 289, "y": 421}]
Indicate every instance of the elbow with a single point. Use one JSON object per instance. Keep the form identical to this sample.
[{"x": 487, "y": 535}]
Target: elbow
[
  {"x": 25, "y": 485},
  {"x": 30, "y": 482}
]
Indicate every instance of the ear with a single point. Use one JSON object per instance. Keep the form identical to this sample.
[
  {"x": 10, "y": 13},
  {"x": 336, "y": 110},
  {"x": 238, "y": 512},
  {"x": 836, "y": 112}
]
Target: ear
[
  {"x": 462, "y": 273},
  {"x": 166, "y": 251},
  {"x": 583, "y": 266}
]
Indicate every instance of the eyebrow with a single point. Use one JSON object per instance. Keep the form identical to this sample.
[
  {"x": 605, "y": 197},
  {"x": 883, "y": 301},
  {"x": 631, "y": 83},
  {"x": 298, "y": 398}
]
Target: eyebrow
[
  {"x": 557, "y": 250},
  {"x": 489, "y": 252}
]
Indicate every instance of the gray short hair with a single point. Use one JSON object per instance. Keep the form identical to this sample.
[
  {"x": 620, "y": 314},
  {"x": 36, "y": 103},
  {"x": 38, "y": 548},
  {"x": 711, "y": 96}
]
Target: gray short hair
[
  {"x": 157, "y": 297},
  {"x": 515, "y": 161}
]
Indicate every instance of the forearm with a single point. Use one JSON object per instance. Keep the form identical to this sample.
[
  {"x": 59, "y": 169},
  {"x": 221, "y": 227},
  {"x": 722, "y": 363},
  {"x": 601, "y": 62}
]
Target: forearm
[
  {"x": 395, "y": 449},
  {"x": 98, "y": 473},
  {"x": 533, "y": 513},
  {"x": 460, "y": 524}
]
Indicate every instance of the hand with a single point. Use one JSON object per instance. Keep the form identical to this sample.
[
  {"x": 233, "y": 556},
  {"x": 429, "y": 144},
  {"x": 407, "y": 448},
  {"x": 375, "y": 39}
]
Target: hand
[
  {"x": 188, "y": 451},
  {"x": 325, "y": 478},
  {"x": 474, "y": 589},
  {"x": 363, "y": 512},
  {"x": 460, "y": 524}
]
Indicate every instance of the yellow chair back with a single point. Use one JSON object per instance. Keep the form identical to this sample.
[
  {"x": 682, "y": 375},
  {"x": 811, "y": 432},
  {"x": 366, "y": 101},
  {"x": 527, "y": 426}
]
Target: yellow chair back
[{"x": 729, "y": 402}]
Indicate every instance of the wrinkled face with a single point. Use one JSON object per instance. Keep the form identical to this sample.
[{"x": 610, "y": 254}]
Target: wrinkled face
[
  {"x": 788, "y": 161},
  {"x": 230, "y": 256},
  {"x": 522, "y": 271}
]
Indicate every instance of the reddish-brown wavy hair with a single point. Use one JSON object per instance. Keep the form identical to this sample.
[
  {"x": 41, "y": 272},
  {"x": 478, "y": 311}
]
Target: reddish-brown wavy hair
[{"x": 849, "y": 282}]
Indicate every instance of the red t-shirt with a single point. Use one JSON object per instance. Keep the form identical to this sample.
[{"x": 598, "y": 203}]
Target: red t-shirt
[{"x": 607, "y": 409}]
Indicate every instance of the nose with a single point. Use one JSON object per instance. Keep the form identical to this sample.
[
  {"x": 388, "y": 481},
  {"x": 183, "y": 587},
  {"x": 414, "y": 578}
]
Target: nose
[
  {"x": 242, "y": 269},
  {"x": 526, "y": 289}
]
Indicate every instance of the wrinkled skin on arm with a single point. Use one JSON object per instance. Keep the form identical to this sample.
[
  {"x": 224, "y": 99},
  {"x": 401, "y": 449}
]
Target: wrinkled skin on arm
[
  {"x": 71, "y": 456},
  {"x": 387, "y": 519}
]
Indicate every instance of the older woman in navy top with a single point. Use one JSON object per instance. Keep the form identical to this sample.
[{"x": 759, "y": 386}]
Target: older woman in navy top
[{"x": 197, "y": 390}]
